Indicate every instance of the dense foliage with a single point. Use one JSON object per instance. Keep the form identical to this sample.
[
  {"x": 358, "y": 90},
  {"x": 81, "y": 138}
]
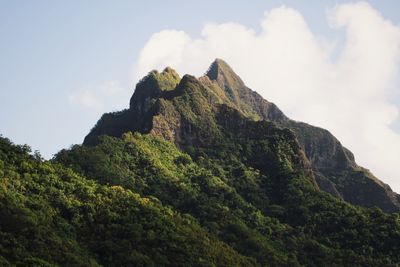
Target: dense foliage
[
  {"x": 147, "y": 203},
  {"x": 52, "y": 216},
  {"x": 193, "y": 177},
  {"x": 275, "y": 216}
]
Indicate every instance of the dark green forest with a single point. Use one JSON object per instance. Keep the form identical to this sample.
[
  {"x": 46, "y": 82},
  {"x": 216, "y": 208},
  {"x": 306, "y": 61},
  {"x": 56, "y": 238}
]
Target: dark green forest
[
  {"x": 197, "y": 172},
  {"x": 139, "y": 201}
]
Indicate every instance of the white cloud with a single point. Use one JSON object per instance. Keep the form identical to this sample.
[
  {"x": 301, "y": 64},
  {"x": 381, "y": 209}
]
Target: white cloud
[
  {"x": 346, "y": 89},
  {"x": 103, "y": 97}
]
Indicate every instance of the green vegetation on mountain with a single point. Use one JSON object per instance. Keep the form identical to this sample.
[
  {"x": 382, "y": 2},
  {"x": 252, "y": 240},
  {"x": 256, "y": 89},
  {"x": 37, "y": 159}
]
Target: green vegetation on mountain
[
  {"x": 51, "y": 215},
  {"x": 197, "y": 172},
  {"x": 156, "y": 108},
  {"x": 272, "y": 212}
]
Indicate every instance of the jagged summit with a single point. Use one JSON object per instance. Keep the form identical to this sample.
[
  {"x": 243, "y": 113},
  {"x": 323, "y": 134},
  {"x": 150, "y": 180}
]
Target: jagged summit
[
  {"x": 221, "y": 72},
  {"x": 188, "y": 112},
  {"x": 227, "y": 79},
  {"x": 218, "y": 66},
  {"x": 245, "y": 99}
]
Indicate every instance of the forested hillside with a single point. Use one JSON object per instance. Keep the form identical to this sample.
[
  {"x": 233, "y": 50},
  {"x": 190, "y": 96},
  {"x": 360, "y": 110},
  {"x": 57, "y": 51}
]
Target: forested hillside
[
  {"x": 197, "y": 172},
  {"x": 145, "y": 203}
]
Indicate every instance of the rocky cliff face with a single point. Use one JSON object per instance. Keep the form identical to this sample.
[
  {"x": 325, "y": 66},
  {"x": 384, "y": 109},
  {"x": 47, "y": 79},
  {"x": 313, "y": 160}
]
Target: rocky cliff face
[{"x": 195, "y": 112}]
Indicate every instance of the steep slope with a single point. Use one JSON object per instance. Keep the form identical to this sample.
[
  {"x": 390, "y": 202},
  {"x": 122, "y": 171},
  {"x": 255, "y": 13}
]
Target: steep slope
[
  {"x": 334, "y": 166},
  {"x": 155, "y": 108},
  {"x": 246, "y": 100},
  {"x": 248, "y": 182}
]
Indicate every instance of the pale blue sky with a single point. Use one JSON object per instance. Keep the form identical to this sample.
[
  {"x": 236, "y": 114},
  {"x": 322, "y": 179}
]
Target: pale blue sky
[{"x": 49, "y": 49}]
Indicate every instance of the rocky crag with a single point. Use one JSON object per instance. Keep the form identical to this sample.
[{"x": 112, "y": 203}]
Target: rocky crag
[{"x": 187, "y": 111}]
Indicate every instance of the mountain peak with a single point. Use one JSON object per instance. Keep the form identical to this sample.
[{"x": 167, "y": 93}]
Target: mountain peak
[
  {"x": 168, "y": 71},
  {"x": 151, "y": 86},
  {"x": 221, "y": 72},
  {"x": 185, "y": 111},
  {"x": 216, "y": 67}
]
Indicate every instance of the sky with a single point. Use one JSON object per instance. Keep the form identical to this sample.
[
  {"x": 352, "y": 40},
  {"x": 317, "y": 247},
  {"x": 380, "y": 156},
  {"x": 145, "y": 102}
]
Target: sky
[{"x": 333, "y": 64}]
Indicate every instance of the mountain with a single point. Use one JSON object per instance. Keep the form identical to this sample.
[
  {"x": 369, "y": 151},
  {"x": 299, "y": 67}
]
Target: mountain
[
  {"x": 154, "y": 109},
  {"x": 197, "y": 172}
]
